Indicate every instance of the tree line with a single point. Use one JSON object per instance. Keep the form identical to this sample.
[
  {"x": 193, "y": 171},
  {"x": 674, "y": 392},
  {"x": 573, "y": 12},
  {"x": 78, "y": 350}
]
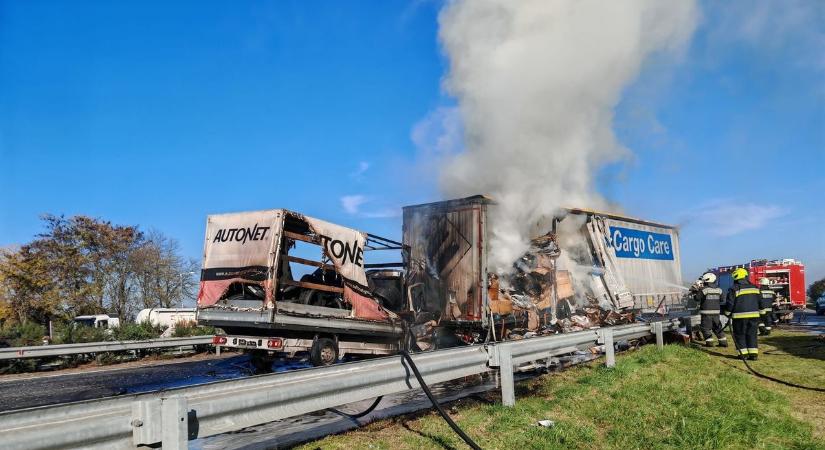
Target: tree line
[
  {"x": 82, "y": 265},
  {"x": 816, "y": 290}
]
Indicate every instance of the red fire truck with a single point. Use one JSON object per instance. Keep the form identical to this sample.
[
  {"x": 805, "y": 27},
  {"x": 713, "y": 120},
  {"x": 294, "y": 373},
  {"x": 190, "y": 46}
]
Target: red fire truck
[{"x": 787, "y": 278}]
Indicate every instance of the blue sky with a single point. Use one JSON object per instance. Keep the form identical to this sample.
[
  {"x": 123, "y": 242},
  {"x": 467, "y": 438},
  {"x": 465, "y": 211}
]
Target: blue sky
[{"x": 159, "y": 113}]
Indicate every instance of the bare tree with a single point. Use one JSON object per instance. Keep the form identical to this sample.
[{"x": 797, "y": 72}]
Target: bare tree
[{"x": 164, "y": 278}]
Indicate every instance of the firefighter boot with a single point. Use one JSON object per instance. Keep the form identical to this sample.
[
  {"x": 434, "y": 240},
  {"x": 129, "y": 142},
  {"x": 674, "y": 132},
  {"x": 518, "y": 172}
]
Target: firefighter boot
[
  {"x": 723, "y": 342},
  {"x": 753, "y": 357}
]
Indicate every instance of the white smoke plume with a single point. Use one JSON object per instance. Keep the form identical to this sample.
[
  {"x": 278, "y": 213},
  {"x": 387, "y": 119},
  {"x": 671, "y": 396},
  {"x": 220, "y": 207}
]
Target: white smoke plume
[{"x": 537, "y": 82}]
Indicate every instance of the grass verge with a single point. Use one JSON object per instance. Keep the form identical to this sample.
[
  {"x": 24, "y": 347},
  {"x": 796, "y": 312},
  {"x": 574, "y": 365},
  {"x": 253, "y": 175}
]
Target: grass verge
[{"x": 679, "y": 397}]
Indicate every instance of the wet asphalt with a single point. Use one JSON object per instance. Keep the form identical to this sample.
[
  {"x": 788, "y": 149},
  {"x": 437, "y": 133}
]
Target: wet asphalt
[{"x": 51, "y": 388}]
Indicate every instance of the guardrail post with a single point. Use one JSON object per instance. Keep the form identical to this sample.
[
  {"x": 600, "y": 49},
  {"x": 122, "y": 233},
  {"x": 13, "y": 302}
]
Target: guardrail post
[
  {"x": 146, "y": 422},
  {"x": 660, "y": 339},
  {"x": 505, "y": 369},
  {"x": 500, "y": 356},
  {"x": 175, "y": 423},
  {"x": 609, "y": 349},
  {"x": 218, "y": 350}
]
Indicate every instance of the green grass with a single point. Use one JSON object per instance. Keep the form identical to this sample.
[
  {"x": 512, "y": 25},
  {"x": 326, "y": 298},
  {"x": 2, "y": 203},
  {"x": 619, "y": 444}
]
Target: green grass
[{"x": 679, "y": 397}]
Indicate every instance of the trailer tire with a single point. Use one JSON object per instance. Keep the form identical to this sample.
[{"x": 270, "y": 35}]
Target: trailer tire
[
  {"x": 313, "y": 297},
  {"x": 324, "y": 352}
]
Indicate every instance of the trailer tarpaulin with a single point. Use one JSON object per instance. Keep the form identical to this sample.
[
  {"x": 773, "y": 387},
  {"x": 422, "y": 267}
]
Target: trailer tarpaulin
[
  {"x": 643, "y": 259},
  {"x": 345, "y": 248},
  {"x": 239, "y": 247}
]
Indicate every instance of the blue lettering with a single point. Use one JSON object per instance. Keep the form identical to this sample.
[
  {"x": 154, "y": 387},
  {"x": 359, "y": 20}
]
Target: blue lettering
[{"x": 639, "y": 244}]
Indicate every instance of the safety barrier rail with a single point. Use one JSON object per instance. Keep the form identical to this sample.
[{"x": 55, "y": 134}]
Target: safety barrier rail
[
  {"x": 174, "y": 416},
  {"x": 42, "y": 351}
]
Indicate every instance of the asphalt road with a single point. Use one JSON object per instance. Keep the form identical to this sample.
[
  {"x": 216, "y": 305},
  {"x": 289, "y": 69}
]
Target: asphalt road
[
  {"x": 45, "y": 389},
  {"x": 807, "y": 321}
]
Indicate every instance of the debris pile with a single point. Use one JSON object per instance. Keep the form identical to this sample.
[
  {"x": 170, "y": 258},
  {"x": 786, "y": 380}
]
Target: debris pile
[
  {"x": 530, "y": 286},
  {"x": 592, "y": 317},
  {"x": 541, "y": 298},
  {"x": 582, "y": 319}
]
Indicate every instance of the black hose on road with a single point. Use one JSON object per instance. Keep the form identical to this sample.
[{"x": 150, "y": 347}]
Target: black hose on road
[{"x": 362, "y": 413}]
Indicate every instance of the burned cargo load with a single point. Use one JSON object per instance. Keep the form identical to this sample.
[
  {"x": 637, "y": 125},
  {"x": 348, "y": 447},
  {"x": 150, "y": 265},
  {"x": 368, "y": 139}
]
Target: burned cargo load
[{"x": 583, "y": 269}]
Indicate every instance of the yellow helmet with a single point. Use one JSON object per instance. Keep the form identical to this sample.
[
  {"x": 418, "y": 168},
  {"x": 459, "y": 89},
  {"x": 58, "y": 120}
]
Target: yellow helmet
[{"x": 739, "y": 274}]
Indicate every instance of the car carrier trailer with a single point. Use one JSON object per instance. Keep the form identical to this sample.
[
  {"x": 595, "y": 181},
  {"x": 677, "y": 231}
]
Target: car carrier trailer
[{"x": 250, "y": 288}]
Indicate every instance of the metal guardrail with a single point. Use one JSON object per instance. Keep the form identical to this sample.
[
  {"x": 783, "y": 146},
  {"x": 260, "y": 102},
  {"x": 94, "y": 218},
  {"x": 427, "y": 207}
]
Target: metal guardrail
[
  {"x": 98, "y": 347},
  {"x": 174, "y": 416}
]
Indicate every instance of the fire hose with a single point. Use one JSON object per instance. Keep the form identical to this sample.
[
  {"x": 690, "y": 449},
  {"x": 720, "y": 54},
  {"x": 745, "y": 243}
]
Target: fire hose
[
  {"x": 441, "y": 412},
  {"x": 406, "y": 356},
  {"x": 761, "y": 375},
  {"x": 362, "y": 413}
]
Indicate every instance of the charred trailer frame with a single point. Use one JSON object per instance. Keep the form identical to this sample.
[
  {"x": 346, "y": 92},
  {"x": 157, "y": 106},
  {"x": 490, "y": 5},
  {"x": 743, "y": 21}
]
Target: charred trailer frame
[{"x": 446, "y": 245}]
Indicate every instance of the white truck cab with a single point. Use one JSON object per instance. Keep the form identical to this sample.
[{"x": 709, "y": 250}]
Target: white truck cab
[{"x": 97, "y": 321}]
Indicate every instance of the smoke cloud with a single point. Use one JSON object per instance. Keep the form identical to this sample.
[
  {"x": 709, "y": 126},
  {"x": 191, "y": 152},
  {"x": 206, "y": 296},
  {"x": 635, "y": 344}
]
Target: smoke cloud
[{"x": 536, "y": 83}]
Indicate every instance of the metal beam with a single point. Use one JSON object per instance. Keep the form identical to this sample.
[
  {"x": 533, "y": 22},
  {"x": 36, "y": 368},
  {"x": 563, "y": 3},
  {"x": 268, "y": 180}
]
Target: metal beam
[
  {"x": 42, "y": 351},
  {"x": 268, "y": 319},
  {"x": 609, "y": 349},
  {"x": 657, "y": 330}
]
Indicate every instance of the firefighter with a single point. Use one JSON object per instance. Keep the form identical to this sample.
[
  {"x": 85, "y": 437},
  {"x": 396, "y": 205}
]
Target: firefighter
[
  {"x": 709, "y": 298},
  {"x": 693, "y": 295},
  {"x": 742, "y": 307},
  {"x": 766, "y": 307}
]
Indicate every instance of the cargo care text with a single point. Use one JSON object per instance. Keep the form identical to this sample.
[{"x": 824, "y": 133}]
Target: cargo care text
[{"x": 631, "y": 243}]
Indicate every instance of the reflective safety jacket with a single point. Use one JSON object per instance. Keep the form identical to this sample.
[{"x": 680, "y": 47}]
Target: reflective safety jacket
[
  {"x": 709, "y": 299},
  {"x": 743, "y": 301},
  {"x": 766, "y": 301}
]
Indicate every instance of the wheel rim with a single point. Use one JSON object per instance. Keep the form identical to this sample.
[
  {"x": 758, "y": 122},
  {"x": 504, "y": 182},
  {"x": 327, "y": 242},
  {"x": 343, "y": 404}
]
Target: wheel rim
[{"x": 327, "y": 354}]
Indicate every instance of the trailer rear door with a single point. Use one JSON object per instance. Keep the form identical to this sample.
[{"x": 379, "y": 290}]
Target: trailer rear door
[{"x": 641, "y": 262}]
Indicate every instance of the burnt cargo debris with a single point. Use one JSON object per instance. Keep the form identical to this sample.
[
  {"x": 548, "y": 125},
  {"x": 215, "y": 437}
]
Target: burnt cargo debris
[{"x": 583, "y": 269}]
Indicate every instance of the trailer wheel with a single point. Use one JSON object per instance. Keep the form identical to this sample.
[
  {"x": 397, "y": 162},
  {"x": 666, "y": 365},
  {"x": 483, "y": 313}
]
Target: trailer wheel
[
  {"x": 324, "y": 352},
  {"x": 313, "y": 297}
]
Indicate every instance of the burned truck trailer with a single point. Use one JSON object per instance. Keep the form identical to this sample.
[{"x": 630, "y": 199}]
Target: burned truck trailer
[
  {"x": 607, "y": 266},
  {"x": 582, "y": 269},
  {"x": 279, "y": 282}
]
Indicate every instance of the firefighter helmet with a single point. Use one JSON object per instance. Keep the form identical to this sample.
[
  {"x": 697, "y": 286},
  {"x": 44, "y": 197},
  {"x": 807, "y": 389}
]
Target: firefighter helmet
[
  {"x": 709, "y": 278},
  {"x": 739, "y": 274},
  {"x": 765, "y": 282}
]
